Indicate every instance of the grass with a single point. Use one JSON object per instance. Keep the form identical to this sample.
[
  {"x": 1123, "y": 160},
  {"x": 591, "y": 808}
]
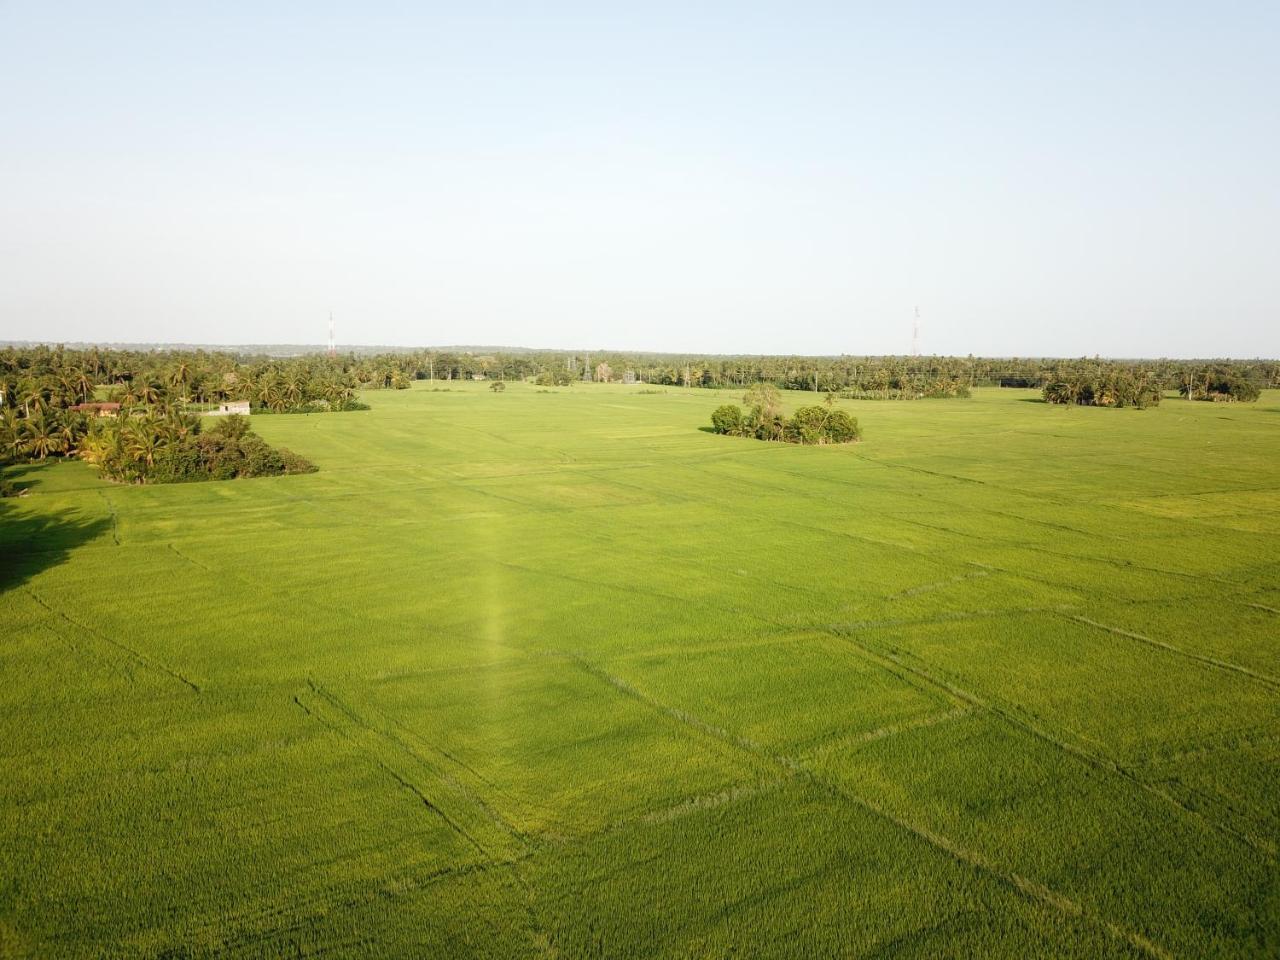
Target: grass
[{"x": 558, "y": 674}]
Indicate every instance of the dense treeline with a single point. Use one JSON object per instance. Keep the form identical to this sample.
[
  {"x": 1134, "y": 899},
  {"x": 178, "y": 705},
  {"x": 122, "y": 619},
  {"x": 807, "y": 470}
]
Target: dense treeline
[
  {"x": 317, "y": 382},
  {"x": 763, "y": 420},
  {"x": 46, "y": 378},
  {"x": 41, "y": 387},
  {"x": 863, "y": 378}
]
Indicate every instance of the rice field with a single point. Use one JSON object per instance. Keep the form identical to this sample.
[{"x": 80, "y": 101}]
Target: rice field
[{"x": 560, "y": 674}]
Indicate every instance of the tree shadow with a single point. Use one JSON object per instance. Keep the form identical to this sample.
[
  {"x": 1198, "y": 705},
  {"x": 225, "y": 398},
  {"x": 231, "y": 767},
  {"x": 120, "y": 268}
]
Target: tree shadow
[
  {"x": 33, "y": 542},
  {"x": 23, "y": 475},
  {"x": 1032, "y": 400},
  {"x": 707, "y": 429}
]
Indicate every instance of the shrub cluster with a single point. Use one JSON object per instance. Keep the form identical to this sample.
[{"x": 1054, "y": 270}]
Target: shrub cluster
[
  {"x": 764, "y": 421},
  {"x": 1117, "y": 388},
  {"x": 173, "y": 449},
  {"x": 554, "y": 376},
  {"x": 1221, "y": 386}
]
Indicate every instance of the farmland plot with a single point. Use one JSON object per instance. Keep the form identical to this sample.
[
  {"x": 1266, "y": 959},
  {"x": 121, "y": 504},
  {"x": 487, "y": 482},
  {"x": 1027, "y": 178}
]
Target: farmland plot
[{"x": 559, "y": 674}]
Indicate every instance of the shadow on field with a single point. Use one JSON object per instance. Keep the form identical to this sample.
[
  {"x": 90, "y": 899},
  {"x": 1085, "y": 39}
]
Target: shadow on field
[
  {"x": 24, "y": 475},
  {"x": 31, "y": 542}
]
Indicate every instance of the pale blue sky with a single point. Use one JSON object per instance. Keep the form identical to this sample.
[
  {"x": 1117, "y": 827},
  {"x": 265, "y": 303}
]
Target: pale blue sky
[{"x": 737, "y": 177}]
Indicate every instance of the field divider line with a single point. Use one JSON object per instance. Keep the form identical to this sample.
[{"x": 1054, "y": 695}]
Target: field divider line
[
  {"x": 939, "y": 585},
  {"x": 1263, "y": 606},
  {"x": 1105, "y": 764},
  {"x": 890, "y": 465},
  {"x": 1030, "y": 889},
  {"x": 195, "y": 563},
  {"x": 382, "y": 747},
  {"x": 135, "y": 655},
  {"x": 840, "y": 742},
  {"x": 474, "y": 795},
  {"x": 842, "y": 630},
  {"x": 710, "y": 801},
  {"x": 94, "y": 658},
  {"x": 674, "y": 713},
  {"x": 257, "y": 926},
  {"x": 1069, "y": 557},
  {"x": 1262, "y": 678}
]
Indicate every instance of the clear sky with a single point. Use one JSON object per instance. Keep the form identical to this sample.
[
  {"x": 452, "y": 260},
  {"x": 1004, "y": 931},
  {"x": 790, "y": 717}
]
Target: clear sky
[{"x": 788, "y": 177}]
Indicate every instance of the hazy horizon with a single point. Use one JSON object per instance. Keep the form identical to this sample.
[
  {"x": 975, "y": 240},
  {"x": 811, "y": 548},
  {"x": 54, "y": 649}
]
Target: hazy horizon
[{"x": 739, "y": 179}]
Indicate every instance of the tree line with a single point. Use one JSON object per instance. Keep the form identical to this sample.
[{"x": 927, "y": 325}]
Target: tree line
[{"x": 283, "y": 384}]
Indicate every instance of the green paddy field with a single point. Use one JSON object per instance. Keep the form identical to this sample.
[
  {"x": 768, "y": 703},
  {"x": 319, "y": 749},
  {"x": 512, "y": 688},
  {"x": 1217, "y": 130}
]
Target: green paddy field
[{"x": 559, "y": 674}]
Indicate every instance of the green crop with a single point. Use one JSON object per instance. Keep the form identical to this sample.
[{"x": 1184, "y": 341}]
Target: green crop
[{"x": 558, "y": 673}]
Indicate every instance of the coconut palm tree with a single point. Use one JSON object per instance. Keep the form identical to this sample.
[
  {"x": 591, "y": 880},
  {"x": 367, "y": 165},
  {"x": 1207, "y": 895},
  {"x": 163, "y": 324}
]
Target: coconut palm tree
[
  {"x": 180, "y": 377},
  {"x": 83, "y": 386},
  {"x": 32, "y": 394},
  {"x": 69, "y": 432},
  {"x": 12, "y": 440},
  {"x": 42, "y": 435},
  {"x": 142, "y": 442}
]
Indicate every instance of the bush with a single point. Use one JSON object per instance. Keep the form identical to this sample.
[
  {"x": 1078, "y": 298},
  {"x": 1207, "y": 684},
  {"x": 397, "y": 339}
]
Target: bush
[
  {"x": 177, "y": 463},
  {"x": 233, "y": 427},
  {"x": 257, "y": 459},
  {"x": 807, "y": 425},
  {"x": 842, "y": 428},
  {"x": 293, "y": 463},
  {"x": 764, "y": 425},
  {"x": 727, "y": 419}
]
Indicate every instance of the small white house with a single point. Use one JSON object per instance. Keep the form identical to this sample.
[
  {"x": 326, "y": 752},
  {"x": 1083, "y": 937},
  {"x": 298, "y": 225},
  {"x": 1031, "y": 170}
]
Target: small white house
[{"x": 234, "y": 406}]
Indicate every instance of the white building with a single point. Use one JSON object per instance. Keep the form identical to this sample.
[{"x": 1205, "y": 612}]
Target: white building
[{"x": 233, "y": 406}]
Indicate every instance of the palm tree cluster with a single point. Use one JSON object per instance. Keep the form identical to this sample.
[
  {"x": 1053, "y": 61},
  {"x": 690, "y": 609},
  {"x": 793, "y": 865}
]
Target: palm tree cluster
[
  {"x": 1108, "y": 388},
  {"x": 170, "y": 447},
  {"x": 1219, "y": 384},
  {"x": 40, "y": 433}
]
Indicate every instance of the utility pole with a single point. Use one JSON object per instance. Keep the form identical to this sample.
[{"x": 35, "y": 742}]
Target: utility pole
[
  {"x": 333, "y": 350},
  {"x": 915, "y": 335}
]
